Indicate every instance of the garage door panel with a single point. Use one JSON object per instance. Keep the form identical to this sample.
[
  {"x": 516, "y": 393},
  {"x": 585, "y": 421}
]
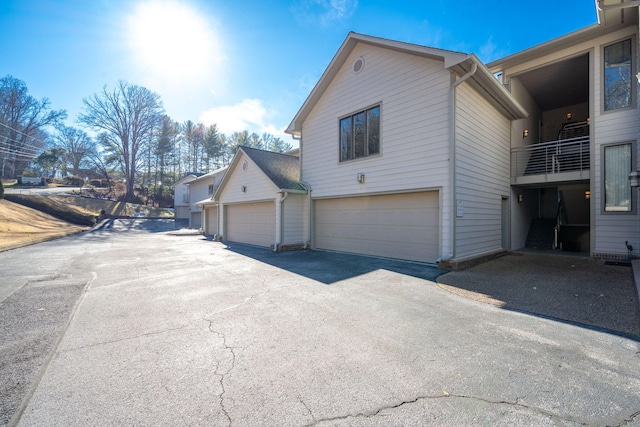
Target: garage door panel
[
  {"x": 251, "y": 223},
  {"x": 402, "y": 226},
  {"x": 212, "y": 220}
]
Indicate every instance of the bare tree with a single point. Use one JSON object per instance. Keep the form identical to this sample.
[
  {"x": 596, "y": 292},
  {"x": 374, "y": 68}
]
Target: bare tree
[
  {"x": 21, "y": 118},
  {"x": 77, "y": 145},
  {"x": 127, "y": 117}
]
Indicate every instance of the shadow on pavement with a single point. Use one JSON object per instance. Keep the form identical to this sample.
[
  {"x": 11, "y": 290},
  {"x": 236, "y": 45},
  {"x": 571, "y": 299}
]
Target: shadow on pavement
[
  {"x": 576, "y": 290},
  {"x": 331, "y": 267}
]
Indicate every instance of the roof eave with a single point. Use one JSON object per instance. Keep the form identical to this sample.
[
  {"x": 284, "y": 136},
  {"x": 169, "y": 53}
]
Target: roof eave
[{"x": 484, "y": 81}]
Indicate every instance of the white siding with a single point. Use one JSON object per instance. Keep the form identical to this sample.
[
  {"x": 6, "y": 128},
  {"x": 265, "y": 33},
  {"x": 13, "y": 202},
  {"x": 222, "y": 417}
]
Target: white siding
[
  {"x": 413, "y": 93},
  {"x": 258, "y": 186},
  {"x": 293, "y": 229},
  {"x": 612, "y": 229},
  {"x": 482, "y": 172}
]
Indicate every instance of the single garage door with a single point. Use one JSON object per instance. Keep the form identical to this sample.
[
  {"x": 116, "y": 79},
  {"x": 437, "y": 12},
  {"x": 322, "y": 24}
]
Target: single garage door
[
  {"x": 403, "y": 226},
  {"x": 211, "y": 216},
  {"x": 196, "y": 220},
  {"x": 251, "y": 223}
]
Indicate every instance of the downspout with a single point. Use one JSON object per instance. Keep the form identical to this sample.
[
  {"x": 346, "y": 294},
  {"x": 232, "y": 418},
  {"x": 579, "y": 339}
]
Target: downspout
[
  {"x": 283, "y": 197},
  {"x": 307, "y": 187},
  {"x": 452, "y": 157}
]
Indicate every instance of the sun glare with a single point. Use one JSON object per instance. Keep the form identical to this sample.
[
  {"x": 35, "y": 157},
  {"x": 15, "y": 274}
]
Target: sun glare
[{"x": 170, "y": 41}]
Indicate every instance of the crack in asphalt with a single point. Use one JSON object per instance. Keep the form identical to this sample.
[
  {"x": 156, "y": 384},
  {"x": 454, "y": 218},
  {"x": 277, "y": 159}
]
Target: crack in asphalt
[
  {"x": 147, "y": 334},
  {"x": 223, "y": 374},
  {"x": 517, "y": 403}
]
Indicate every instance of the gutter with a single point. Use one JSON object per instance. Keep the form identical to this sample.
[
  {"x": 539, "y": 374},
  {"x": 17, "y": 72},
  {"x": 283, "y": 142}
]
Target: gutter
[
  {"x": 283, "y": 196},
  {"x": 307, "y": 186}
]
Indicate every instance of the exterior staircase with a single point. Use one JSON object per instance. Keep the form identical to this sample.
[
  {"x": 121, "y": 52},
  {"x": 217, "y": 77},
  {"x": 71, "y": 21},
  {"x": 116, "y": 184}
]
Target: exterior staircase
[{"x": 541, "y": 234}]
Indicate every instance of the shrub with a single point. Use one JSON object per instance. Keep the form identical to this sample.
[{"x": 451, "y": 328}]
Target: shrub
[
  {"x": 73, "y": 181},
  {"x": 1, "y": 190}
]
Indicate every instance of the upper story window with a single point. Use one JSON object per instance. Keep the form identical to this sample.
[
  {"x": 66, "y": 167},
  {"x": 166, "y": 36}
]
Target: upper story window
[
  {"x": 617, "y": 76},
  {"x": 210, "y": 189},
  {"x": 360, "y": 134}
]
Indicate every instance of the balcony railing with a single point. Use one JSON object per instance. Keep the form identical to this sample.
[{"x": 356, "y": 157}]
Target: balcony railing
[{"x": 551, "y": 160}]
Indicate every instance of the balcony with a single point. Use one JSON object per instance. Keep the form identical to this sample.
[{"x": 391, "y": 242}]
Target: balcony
[{"x": 554, "y": 161}]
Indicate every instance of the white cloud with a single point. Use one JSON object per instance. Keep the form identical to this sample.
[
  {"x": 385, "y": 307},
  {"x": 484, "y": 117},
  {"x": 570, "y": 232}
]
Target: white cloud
[{"x": 249, "y": 114}]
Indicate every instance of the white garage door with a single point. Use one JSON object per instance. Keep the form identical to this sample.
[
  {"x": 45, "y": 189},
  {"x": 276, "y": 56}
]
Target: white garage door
[
  {"x": 251, "y": 223},
  {"x": 211, "y": 227},
  {"x": 196, "y": 220},
  {"x": 401, "y": 226}
]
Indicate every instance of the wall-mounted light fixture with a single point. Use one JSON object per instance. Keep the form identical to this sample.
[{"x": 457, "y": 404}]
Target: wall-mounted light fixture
[
  {"x": 634, "y": 179},
  {"x": 520, "y": 198},
  {"x": 361, "y": 178},
  {"x": 243, "y": 188},
  {"x": 525, "y": 133},
  {"x": 587, "y": 194},
  {"x": 569, "y": 116}
]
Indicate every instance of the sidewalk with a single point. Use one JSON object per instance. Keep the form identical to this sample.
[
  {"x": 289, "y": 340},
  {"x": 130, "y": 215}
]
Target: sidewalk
[{"x": 566, "y": 288}]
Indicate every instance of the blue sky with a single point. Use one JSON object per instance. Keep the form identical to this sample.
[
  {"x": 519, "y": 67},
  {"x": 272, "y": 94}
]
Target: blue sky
[{"x": 244, "y": 64}]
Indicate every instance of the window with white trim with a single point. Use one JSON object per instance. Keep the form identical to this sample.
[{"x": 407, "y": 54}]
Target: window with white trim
[
  {"x": 617, "y": 76},
  {"x": 360, "y": 134},
  {"x": 617, "y": 188}
]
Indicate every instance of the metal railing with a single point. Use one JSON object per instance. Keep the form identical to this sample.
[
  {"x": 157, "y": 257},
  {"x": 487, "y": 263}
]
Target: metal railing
[{"x": 546, "y": 158}]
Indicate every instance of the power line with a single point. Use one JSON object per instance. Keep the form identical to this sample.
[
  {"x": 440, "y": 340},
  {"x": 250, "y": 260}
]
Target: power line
[
  {"x": 22, "y": 145},
  {"x": 14, "y": 153},
  {"x": 22, "y": 133}
]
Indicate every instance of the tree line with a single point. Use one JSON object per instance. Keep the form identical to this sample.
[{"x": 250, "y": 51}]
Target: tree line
[{"x": 135, "y": 140}]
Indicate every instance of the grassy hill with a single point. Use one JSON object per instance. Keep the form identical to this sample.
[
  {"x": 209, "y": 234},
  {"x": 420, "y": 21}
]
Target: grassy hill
[{"x": 21, "y": 225}]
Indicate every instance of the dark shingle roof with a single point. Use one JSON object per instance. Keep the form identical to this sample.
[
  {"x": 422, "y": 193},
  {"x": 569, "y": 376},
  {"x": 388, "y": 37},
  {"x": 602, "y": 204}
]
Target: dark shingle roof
[{"x": 282, "y": 169}]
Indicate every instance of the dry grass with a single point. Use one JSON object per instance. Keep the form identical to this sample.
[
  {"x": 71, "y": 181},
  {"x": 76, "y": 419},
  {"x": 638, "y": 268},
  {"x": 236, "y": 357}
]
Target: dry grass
[{"x": 20, "y": 225}]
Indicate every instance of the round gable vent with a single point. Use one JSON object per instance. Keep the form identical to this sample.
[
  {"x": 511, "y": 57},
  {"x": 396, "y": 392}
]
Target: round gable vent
[{"x": 358, "y": 65}]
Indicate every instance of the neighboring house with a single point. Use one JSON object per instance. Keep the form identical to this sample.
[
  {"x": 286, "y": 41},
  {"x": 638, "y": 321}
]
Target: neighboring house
[
  {"x": 424, "y": 154},
  {"x": 181, "y": 197},
  {"x": 204, "y": 208},
  {"x": 261, "y": 200}
]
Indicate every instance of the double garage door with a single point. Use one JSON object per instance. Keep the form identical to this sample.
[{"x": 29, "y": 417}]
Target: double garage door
[
  {"x": 404, "y": 226},
  {"x": 251, "y": 223}
]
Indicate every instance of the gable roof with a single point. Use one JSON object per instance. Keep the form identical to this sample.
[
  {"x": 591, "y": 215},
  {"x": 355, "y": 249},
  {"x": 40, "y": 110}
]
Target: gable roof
[
  {"x": 282, "y": 169},
  {"x": 208, "y": 175},
  {"x": 185, "y": 179},
  {"x": 459, "y": 62}
]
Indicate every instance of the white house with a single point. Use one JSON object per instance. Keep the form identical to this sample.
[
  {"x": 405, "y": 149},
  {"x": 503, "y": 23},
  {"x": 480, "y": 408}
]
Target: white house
[
  {"x": 261, "y": 200},
  {"x": 406, "y": 149},
  {"x": 429, "y": 155},
  {"x": 204, "y": 209},
  {"x": 181, "y": 197},
  {"x": 201, "y": 192}
]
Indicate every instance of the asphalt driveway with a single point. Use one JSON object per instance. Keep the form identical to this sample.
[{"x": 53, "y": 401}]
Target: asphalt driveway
[{"x": 179, "y": 330}]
